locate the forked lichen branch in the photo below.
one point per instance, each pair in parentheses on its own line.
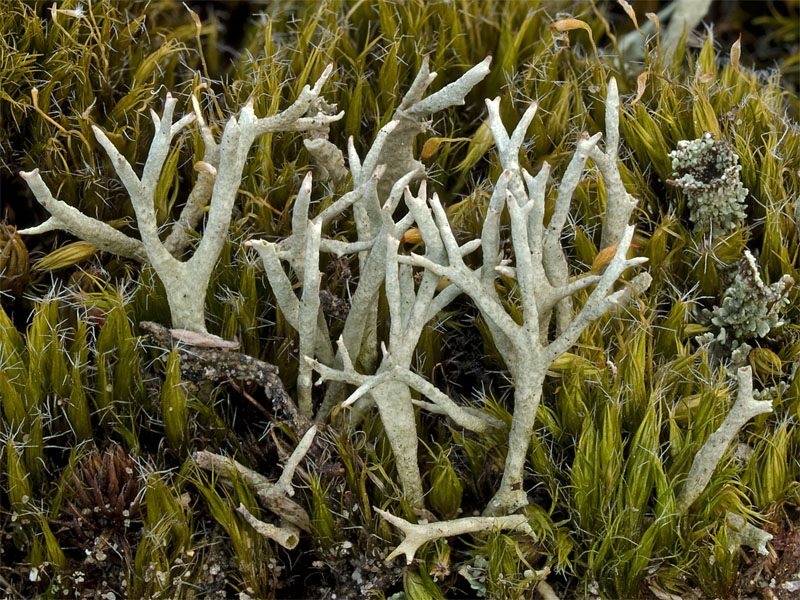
(219,176)
(274,496)
(706,460)
(541,271)
(417,535)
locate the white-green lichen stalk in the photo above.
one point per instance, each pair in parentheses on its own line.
(412,114)
(220,174)
(274,496)
(742,533)
(394,149)
(418,534)
(410,311)
(620,204)
(542,275)
(705,461)
(379,183)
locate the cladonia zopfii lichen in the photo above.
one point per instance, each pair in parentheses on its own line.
(540,269)
(218,180)
(609,452)
(708,171)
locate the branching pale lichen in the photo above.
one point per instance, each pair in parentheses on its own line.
(380,181)
(220,174)
(416,535)
(541,271)
(705,461)
(275,496)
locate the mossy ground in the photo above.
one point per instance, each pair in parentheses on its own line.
(98,492)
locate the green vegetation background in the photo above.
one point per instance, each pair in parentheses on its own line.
(98,492)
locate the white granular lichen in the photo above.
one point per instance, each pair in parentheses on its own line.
(708,171)
(750,308)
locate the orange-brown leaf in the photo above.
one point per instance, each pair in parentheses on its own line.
(412,236)
(570,24)
(736,53)
(603,257)
(641,83)
(431,146)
